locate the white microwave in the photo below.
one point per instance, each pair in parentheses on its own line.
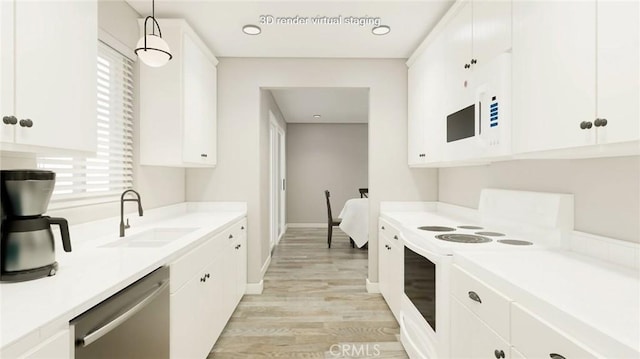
(482,129)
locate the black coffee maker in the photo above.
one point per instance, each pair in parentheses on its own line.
(27,250)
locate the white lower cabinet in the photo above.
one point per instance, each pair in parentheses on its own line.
(485,323)
(57,346)
(535,338)
(472,338)
(206,286)
(391,267)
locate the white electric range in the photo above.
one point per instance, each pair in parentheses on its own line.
(505,221)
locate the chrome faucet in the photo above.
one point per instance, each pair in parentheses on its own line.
(122,200)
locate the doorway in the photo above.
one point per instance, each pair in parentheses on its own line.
(277,170)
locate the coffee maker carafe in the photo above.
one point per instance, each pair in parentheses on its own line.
(27,248)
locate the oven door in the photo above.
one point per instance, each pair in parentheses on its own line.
(425,303)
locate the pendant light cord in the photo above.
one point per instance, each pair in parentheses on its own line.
(153,15)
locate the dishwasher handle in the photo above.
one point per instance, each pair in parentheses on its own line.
(111,325)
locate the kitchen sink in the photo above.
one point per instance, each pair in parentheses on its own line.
(156,237)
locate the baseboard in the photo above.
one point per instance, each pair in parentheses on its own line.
(254,288)
(373,287)
(265,266)
(306,225)
(286,226)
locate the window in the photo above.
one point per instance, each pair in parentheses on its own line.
(104,177)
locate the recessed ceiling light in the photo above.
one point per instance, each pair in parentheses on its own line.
(381,30)
(251,29)
(316,116)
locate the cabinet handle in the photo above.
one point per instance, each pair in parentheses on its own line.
(600,122)
(203,279)
(585,125)
(498,353)
(474,61)
(556,356)
(466,66)
(207,275)
(395,237)
(29,123)
(203,155)
(242,228)
(230,236)
(9,120)
(474,296)
(382,228)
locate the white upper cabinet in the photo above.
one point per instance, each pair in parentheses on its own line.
(576,77)
(48,72)
(618,79)
(554,66)
(178,118)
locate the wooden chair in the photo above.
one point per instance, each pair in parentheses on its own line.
(331,222)
(364,192)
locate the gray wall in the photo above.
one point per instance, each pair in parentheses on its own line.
(239,176)
(606,190)
(320,157)
(158,186)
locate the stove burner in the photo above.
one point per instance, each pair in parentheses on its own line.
(437,228)
(515,242)
(490,234)
(463,238)
(470,227)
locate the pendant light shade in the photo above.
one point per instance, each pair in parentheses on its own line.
(151,48)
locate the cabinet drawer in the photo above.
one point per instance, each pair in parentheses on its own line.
(388,230)
(472,338)
(535,338)
(488,304)
(188,265)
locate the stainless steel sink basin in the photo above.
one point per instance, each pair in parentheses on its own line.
(156,237)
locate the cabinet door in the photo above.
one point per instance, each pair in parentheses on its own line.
(458,52)
(58,346)
(618,70)
(472,338)
(435,101)
(491,30)
(218,295)
(199,105)
(417,103)
(6,69)
(55,73)
(553,74)
(395,277)
(190,319)
(241,266)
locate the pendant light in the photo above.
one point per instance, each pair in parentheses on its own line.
(151,48)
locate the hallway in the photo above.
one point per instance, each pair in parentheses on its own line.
(314,305)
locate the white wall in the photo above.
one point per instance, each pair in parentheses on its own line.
(606,190)
(157,186)
(322,157)
(239,175)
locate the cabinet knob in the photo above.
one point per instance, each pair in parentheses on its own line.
(466,66)
(474,296)
(498,353)
(474,61)
(230,236)
(382,228)
(203,155)
(207,275)
(600,122)
(203,279)
(585,125)
(242,228)
(395,237)
(556,356)
(9,120)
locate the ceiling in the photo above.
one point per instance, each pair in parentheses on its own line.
(335,105)
(219,24)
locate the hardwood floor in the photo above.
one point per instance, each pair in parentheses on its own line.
(314,305)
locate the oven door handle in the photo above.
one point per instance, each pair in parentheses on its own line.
(114,323)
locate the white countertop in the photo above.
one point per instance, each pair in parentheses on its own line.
(599,301)
(89,274)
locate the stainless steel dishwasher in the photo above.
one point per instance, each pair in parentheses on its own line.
(133,323)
